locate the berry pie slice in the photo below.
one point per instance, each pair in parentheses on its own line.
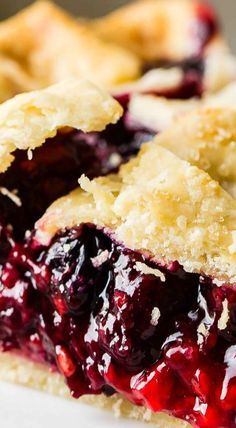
(184,34)
(173,81)
(126,286)
(42,45)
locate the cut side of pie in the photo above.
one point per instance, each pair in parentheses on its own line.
(59,144)
(127,284)
(118,258)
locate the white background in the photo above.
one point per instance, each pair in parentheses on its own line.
(24,408)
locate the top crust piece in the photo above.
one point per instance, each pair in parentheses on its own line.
(172,31)
(160,204)
(199,135)
(154,29)
(42,45)
(207,139)
(27,120)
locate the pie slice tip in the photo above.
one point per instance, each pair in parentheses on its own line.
(27,120)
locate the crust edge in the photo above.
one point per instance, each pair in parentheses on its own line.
(17,370)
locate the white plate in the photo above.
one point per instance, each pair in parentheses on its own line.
(25,408)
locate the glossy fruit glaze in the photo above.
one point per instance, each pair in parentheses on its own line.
(165,339)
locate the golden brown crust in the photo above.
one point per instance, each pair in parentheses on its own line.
(15,369)
(150,28)
(46,45)
(43,45)
(27,120)
(207,139)
(160,204)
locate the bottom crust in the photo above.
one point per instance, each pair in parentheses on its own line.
(18,370)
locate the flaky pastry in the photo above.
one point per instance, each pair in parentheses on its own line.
(15,369)
(143,206)
(206,138)
(151,28)
(44,45)
(27,120)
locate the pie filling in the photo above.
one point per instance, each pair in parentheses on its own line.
(31,185)
(202,30)
(112,320)
(192,83)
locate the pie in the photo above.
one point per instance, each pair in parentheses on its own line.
(43,45)
(125,285)
(118,258)
(151,28)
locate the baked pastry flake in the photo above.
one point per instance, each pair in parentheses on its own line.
(29,119)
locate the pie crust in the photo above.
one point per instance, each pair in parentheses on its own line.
(149,28)
(191,219)
(206,138)
(159,113)
(17,370)
(27,120)
(124,204)
(42,45)
(58,43)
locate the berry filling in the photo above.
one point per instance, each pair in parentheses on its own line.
(192,83)
(30,186)
(202,30)
(113,320)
